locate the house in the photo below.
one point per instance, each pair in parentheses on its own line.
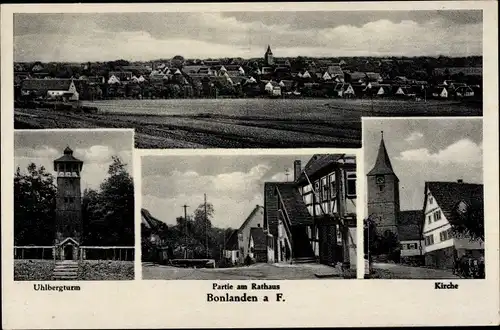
(154,235)
(344,90)
(466,71)
(374,77)
(335,71)
(380,90)
(306,75)
(313,217)
(231,250)
(356,77)
(260,245)
(60,89)
(440,92)
(405,91)
(410,225)
(243,235)
(443,202)
(121,75)
(113,80)
(282,62)
(272,88)
(464,91)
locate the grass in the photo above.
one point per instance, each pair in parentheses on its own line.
(89,270)
(104,270)
(33,270)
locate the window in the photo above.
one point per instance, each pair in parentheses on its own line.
(431,200)
(381,188)
(403,246)
(429,240)
(324,189)
(237,254)
(351,184)
(438,215)
(429,220)
(333,187)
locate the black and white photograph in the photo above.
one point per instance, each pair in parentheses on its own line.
(424,198)
(243,79)
(73,205)
(249,217)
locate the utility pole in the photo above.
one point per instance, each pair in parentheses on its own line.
(206,225)
(186,229)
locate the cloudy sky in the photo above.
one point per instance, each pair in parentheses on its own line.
(147,36)
(426,150)
(94,148)
(233,184)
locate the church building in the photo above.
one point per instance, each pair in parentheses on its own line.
(384,207)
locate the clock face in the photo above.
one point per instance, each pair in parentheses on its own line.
(380,179)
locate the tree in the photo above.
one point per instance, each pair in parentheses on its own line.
(110,211)
(468,220)
(34,206)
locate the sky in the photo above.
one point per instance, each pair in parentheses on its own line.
(233,184)
(95,148)
(146,36)
(439,149)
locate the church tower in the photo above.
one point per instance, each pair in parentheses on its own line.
(268,57)
(69,220)
(383,192)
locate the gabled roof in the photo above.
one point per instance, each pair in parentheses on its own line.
(232,240)
(151,222)
(294,205)
(410,225)
(317,163)
(259,238)
(382,163)
(448,194)
(257,211)
(67,240)
(46,84)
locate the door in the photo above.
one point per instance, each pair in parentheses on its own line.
(68,252)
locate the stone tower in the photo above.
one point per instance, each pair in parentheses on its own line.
(383,192)
(269,56)
(69,222)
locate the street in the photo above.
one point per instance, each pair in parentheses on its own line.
(395,271)
(261,271)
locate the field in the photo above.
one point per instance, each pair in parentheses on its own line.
(240,123)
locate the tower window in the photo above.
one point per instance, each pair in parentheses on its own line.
(381,188)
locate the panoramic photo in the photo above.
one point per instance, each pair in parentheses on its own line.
(424,214)
(249,217)
(244,79)
(73,205)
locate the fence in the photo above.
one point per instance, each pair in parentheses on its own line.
(34,252)
(121,253)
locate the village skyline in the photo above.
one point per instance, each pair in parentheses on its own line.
(109,36)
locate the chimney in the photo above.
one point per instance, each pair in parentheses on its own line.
(297,169)
(460,181)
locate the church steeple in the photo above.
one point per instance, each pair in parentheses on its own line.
(269,51)
(383,163)
(268,56)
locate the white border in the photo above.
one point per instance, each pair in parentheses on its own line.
(144,304)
